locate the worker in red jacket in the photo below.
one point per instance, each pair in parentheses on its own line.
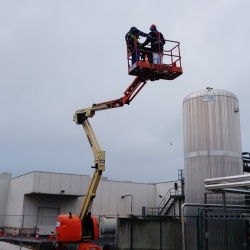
(157,42)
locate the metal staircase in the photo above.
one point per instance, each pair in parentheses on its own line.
(165,205)
(168,201)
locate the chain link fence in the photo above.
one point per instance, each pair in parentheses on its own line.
(212,229)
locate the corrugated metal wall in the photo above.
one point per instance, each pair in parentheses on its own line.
(4,190)
(43,187)
(39,196)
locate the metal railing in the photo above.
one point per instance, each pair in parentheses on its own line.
(171,53)
(166,203)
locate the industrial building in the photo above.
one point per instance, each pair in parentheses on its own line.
(41,196)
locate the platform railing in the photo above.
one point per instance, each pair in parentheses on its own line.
(171,54)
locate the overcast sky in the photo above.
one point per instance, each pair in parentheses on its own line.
(60,56)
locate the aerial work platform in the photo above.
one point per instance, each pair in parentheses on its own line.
(145,70)
(170,66)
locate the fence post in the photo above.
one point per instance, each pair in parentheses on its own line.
(131,231)
(160,233)
(22,232)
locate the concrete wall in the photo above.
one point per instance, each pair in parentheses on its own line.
(146,234)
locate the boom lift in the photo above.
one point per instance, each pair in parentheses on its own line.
(71,229)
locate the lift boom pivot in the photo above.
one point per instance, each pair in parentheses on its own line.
(129,94)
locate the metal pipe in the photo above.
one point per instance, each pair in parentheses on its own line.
(235,191)
(227,179)
(201,205)
(227,185)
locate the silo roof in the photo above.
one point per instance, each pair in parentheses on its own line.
(215,92)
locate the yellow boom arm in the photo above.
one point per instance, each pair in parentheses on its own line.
(81,117)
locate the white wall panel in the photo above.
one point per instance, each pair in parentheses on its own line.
(75,186)
(18,187)
(65,183)
(151,195)
(36,182)
(44,183)
(121,209)
(129,188)
(105,196)
(4,190)
(109,201)
(78,204)
(67,204)
(137,198)
(31,203)
(97,204)
(84,184)
(27,182)
(144,198)
(55,186)
(52,201)
(114,198)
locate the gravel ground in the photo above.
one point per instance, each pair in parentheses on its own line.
(9,246)
(14,243)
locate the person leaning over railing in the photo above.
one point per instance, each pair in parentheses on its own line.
(132,42)
(157,42)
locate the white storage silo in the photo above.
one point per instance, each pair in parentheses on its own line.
(212,146)
(212,139)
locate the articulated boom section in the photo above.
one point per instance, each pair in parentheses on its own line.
(99,161)
(81,117)
(129,94)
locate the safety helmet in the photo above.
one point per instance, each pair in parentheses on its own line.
(153,26)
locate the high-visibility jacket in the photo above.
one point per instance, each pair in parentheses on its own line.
(133,34)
